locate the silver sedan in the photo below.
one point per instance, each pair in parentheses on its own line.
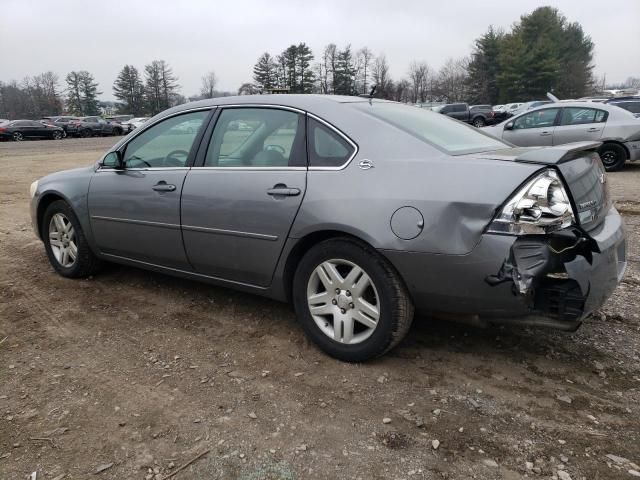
(565,122)
(358,211)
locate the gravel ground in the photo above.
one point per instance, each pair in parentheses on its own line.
(133,374)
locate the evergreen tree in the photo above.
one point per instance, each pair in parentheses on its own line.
(161,87)
(264,71)
(484,67)
(74,98)
(345,72)
(545,53)
(128,88)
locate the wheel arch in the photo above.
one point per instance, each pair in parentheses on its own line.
(45,200)
(616,142)
(304,244)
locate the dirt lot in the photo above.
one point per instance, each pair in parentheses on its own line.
(133,374)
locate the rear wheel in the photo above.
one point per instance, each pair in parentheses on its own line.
(350,301)
(478,122)
(66,246)
(613,156)
(86,133)
(57,135)
(18,137)
(117,131)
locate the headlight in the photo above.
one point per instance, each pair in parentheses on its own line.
(540,207)
(33,188)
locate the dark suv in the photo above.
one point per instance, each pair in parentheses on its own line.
(476,115)
(96,126)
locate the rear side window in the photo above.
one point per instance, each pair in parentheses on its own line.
(579,116)
(326,147)
(453,137)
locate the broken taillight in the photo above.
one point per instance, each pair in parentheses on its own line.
(541,206)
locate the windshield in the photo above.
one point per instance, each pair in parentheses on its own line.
(440,131)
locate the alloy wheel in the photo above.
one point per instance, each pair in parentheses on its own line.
(18,137)
(62,238)
(57,135)
(343,301)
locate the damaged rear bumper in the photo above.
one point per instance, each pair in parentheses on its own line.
(548,280)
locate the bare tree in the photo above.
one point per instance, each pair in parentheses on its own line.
(248,89)
(209,82)
(365,57)
(451,82)
(381,77)
(419,79)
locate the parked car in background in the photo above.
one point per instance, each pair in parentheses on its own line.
(96,126)
(359,211)
(632,104)
(560,123)
(65,122)
(528,106)
(476,115)
(19,130)
(119,118)
(133,123)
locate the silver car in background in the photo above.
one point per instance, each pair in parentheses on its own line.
(357,211)
(566,122)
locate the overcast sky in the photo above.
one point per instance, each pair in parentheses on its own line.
(195,36)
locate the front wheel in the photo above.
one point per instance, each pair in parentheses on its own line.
(350,300)
(57,135)
(18,137)
(613,156)
(66,246)
(86,133)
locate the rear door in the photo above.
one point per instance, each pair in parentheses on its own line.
(579,124)
(135,211)
(239,204)
(533,129)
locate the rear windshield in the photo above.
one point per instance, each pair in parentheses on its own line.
(440,131)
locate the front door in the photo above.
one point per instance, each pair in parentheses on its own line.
(135,211)
(239,204)
(533,129)
(578,124)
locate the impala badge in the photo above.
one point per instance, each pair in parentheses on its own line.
(365,164)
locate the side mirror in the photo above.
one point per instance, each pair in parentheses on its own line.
(509,126)
(113,160)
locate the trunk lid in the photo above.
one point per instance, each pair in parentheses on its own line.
(582,170)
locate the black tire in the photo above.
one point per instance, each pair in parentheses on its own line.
(613,156)
(86,263)
(57,135)
(18,137)
(117,131)
(478,122)
(395,305)
(86,133)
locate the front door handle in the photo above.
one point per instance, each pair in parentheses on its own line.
(282,190)
(164,187)
(593,129)
(545,134)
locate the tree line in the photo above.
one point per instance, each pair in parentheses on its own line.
(543,52)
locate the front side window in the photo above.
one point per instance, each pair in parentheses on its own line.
(326,148)
(257,138)
(537,119)
(579,116)
(166,144)
(453,137)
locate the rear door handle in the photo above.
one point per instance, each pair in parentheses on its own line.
(545,134)
(283,190)
(164,187)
